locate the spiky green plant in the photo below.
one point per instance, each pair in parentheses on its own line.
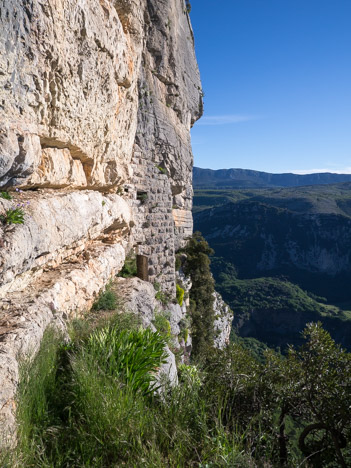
(132,356)
(13,216)
(5,195)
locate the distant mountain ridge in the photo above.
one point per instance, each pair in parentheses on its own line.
(247,178)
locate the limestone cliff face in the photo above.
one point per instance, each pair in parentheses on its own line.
(96,102)
(170,101)
(69,94)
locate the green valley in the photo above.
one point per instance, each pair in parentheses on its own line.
(282,258)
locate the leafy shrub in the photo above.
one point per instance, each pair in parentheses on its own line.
(13,216)
(180,294)
(107,300)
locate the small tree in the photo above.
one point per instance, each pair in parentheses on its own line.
(197,266)
(323,378)
(313,386)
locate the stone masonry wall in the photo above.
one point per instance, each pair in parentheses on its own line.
(154,231)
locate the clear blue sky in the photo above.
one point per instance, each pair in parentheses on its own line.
(277,81)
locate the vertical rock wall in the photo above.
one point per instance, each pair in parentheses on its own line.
(97,98)
(170,101)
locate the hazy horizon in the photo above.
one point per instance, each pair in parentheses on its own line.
(315,171)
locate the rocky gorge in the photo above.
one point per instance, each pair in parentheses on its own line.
(97,99)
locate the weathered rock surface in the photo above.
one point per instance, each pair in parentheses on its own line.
(138,297)
(49,235)
(223,321)
(96,98)
(68,80)
(54,297)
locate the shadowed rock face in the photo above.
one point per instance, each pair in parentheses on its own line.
(96,103)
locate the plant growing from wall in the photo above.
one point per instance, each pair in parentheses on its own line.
(160,295)
(107,300)
(6,195)
(142,197)
(13,216)
(180,294)
(162,170)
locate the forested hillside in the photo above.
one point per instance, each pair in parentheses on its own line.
(282,258)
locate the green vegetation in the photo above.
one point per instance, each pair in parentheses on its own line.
(178,262)
(267,293)
(92,402)
(13,216)
(130,266)
(332,199)
(80,404)
(107,300)
(160,295)
(180,294)
(6,195)
(162,170)
(255,347)
(197,266)
(131,356)
(142,197)
(162,324)
(267,246)
(264,305)
(289,409)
